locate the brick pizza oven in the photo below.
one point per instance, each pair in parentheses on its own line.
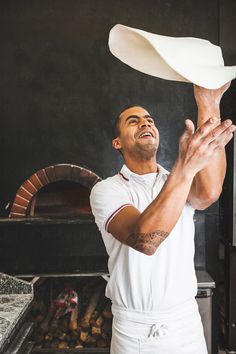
(56,191)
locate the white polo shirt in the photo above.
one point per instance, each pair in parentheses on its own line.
(137,281)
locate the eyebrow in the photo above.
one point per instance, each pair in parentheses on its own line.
(134,116)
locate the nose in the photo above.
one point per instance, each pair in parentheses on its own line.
(144,123)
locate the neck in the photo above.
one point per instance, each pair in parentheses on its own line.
(141,167)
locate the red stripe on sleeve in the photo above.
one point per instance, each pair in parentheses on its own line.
(113,214)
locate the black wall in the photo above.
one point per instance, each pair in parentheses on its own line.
(60,88)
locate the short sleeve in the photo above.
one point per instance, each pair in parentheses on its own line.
(107,198)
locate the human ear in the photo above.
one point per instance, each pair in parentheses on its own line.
(116,143)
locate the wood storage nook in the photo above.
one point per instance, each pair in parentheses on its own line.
(71,314)
(50,235)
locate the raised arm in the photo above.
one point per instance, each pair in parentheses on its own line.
(145,231)
(207,184)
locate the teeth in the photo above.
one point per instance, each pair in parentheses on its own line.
(145,134)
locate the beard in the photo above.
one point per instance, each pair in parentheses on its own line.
(143,152)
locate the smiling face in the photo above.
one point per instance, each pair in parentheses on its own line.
(138,136)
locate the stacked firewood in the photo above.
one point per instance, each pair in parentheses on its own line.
(86,322)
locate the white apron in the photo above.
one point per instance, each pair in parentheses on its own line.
(174,332)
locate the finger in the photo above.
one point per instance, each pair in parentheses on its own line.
(189,127)
(188,131)
(220,132)
(205,128)
(219,146)
(223,138)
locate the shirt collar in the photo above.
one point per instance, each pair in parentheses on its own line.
(126,174)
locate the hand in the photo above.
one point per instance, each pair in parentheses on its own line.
(196,148)
(206,98)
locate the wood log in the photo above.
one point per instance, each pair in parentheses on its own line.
(62,337)
(107,311)
(85,322)
(44,325)
(100,307)
(38,309)
(63,323)
(101,343)
(54,325)
(38,319)
(107,326)
(63,345)
(79,345)
(75,335)
(83,335)
(38,336)
(79,328)
(90,341)
(105,336)
(55,342)
(47,344)
(99,322)
(88,287)
(38,346)
(49,337)
(96,331)
(72,343)
(107,331)
(71,336)
(73,324)
(97,327)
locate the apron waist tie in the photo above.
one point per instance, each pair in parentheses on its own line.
(158,330)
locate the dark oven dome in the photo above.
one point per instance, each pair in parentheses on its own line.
(59,191)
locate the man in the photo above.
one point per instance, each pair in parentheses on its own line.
(145,215)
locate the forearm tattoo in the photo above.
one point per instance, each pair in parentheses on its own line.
(147,242)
